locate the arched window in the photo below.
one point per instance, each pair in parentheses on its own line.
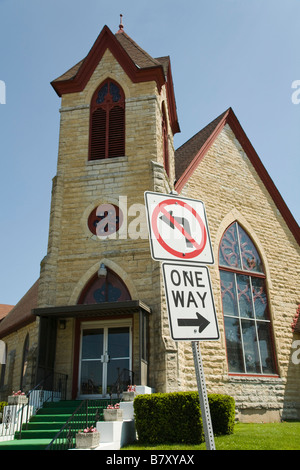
(165,141)
(107,122)
(24,361)
(3,354)
(104,288)
(248,329)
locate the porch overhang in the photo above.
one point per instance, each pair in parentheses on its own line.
(103,309)
(109,312)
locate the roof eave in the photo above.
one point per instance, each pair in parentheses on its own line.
(16,326)
(103,308)
(107,40)
(171,101)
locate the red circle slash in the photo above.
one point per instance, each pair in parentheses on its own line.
(161,208)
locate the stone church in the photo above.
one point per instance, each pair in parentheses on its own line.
(98,309)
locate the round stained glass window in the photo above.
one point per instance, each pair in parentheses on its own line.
(105,220)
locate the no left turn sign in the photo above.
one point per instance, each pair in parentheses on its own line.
(178,229)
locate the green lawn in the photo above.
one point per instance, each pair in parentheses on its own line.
(274,436)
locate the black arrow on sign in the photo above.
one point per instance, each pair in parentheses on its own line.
(200,322)
(182,221)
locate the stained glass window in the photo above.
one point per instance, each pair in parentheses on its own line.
(104,289)
(105,220)
(248,329)
(238,251)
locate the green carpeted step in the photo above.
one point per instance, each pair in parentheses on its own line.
(34,425)
(53,411)
(58,408)
(62,404)
(24,444)
(38,434)
(62,418)
(70,404)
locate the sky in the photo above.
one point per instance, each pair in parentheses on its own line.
(242,54)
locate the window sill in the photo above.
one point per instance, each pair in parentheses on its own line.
(254,378)
(103,161)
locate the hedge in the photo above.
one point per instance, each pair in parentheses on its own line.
(176,417)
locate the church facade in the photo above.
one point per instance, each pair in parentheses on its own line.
(98,308)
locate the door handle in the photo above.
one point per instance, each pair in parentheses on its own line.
(105,358)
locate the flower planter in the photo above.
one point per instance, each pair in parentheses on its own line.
(17,400)
(115,414)
(87,440)
(128,396)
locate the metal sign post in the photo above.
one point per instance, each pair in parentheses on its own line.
(178,231)
(205,411)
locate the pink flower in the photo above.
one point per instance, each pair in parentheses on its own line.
(113,407)
(90,429)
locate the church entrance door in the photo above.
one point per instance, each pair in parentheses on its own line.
(105,352)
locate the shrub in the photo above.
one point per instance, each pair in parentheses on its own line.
(222,411)
(176,417)
(2,405)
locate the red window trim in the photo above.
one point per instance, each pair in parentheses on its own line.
(244,273)
(270,376)
(165,141)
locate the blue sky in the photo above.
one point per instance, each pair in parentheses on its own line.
(238,53)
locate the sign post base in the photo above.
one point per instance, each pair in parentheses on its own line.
(205,411)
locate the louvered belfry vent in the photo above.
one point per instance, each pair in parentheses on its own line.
(107,122)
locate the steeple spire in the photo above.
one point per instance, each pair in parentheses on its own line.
(121,27)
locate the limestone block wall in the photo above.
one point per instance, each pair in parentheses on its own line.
(13,371)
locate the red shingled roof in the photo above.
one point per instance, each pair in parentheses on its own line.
(20,315)
(185,155)
(138,56)
(4,309)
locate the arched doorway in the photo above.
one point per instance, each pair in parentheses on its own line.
(105,352)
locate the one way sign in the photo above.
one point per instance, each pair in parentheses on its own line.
(191,309)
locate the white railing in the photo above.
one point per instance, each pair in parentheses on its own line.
(16,415)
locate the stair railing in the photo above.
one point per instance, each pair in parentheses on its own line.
(86,415)
(36,400)
(125,378)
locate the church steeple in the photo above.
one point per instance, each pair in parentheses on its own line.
(136,62)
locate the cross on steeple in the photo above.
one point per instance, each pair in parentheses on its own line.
(121,27)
